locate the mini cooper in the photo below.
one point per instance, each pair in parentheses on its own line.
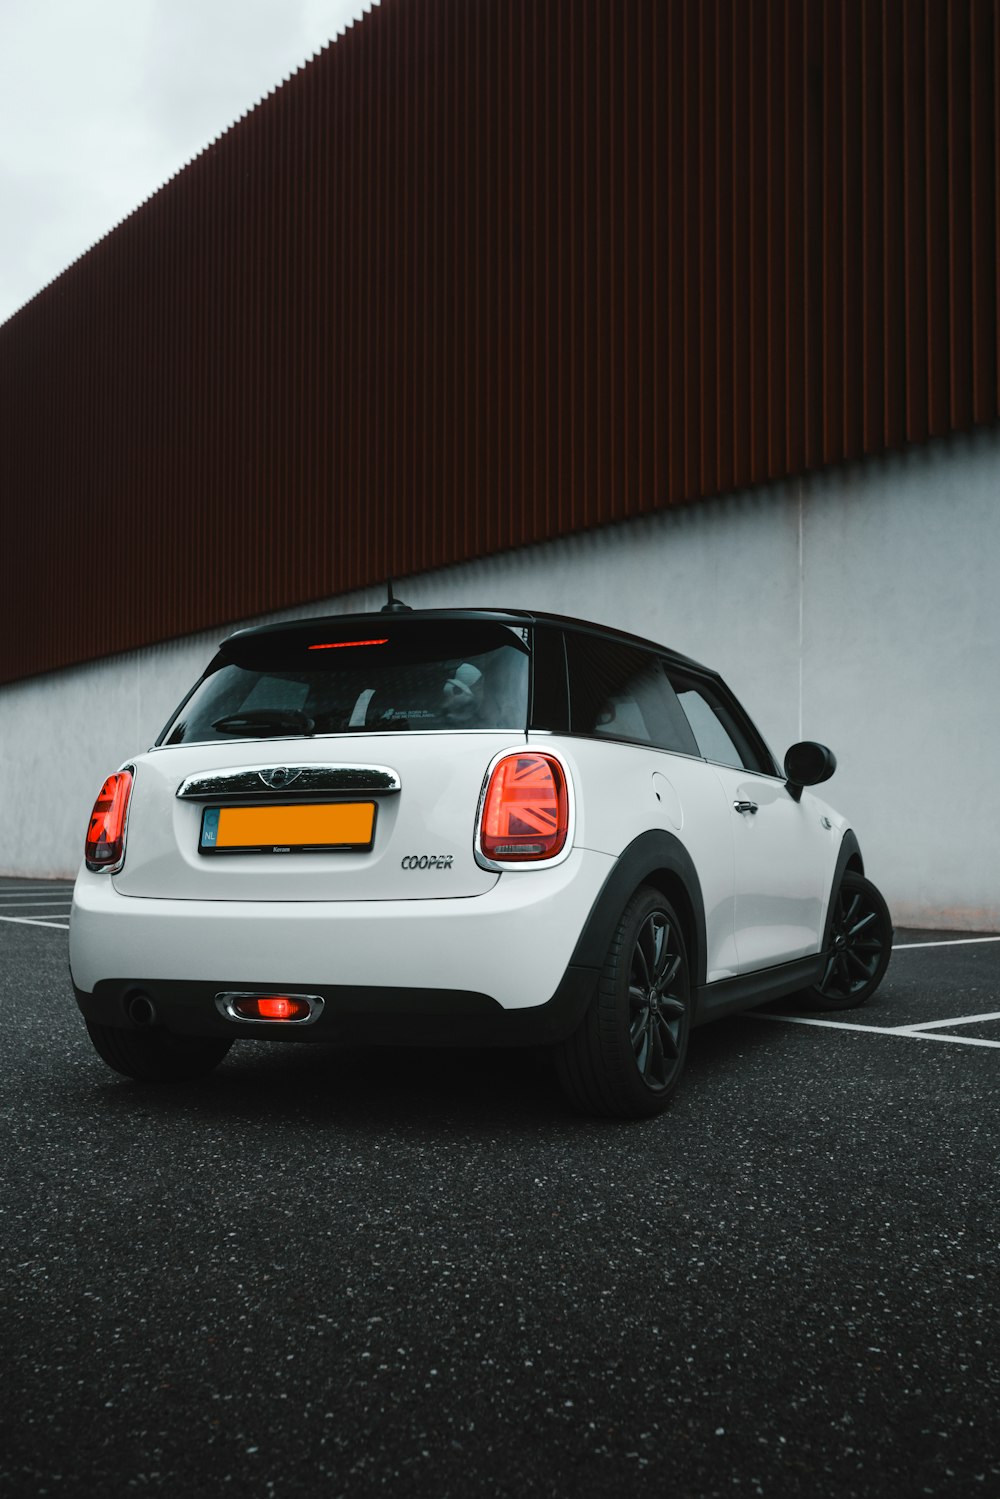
(463,827)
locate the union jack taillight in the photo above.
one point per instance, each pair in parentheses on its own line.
(105,846)
(525,814)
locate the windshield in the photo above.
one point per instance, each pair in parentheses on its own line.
(336,680)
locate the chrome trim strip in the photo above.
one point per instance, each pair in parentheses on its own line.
(224,1004)
(291,780)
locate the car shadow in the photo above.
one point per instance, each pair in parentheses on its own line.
(481,1090)
(324,1084)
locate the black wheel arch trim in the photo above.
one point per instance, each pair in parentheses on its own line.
(849,857)
(645,861)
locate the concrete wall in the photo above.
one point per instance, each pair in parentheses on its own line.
(857,607)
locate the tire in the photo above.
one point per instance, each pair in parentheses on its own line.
(625,1059)
(858,950)
(157,1056)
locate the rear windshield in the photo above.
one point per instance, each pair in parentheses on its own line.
(385,677)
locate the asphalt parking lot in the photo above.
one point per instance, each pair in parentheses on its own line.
(348,1273)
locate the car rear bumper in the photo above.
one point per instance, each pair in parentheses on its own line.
(368,1015)
(495,967)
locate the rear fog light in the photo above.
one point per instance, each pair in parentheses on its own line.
(298,1009)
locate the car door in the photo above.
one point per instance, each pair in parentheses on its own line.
(781,844)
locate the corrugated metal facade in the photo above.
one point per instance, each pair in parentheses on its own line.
(488,271)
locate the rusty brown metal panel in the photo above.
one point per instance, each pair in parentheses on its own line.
(721,421)
(871,235)
(916,250)
(852,95)
(833,233)
(959,160)
(776,190)
(986,207)
(810,248)
(703,466)
(673,261)
(689,233)
(794,231)
(485,274)
(755,124)
(936,199)
(891,276)
(643,478)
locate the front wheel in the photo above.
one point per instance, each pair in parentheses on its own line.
(858,949)
(157,1056)
(625,1059)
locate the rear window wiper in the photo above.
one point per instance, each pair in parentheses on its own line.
(266,721)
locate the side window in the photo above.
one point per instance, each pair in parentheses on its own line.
(618,691)
(720,735)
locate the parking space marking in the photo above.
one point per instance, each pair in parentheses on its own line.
(46,909)
(907,1032)
(950,942)
(927,1025)
(39,885)
(43,903)
(22,905)
(60,926)
(16,897)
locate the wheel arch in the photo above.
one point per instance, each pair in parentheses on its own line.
(848,859)
(654,858)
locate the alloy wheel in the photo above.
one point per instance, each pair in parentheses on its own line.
(657,1002)
(858,941)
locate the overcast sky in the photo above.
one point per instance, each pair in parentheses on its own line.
(102,101)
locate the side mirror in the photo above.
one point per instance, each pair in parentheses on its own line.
(807,764)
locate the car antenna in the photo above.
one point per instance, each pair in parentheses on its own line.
(394,605)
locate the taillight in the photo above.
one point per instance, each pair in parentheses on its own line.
(525,812)
(105,847)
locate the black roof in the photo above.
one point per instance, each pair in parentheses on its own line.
(402,616)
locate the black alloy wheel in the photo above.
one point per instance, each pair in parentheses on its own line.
(626,1058)
(656,1013)
(858,948)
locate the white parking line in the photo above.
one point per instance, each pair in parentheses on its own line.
(908,1032)
(59,926)
(927,1025)
(21,905)
(950,942)
(33,889)
(15,897)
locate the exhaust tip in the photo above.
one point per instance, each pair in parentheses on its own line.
(141,1010)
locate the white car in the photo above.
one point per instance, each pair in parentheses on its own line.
(463,827)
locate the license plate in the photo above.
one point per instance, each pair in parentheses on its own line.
(287,830)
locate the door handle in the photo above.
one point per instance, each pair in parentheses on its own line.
(744,806)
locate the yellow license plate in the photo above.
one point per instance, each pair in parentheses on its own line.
(287,830)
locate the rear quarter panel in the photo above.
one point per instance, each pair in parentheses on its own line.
(624,790)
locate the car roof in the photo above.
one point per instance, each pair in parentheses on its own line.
(402,615)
